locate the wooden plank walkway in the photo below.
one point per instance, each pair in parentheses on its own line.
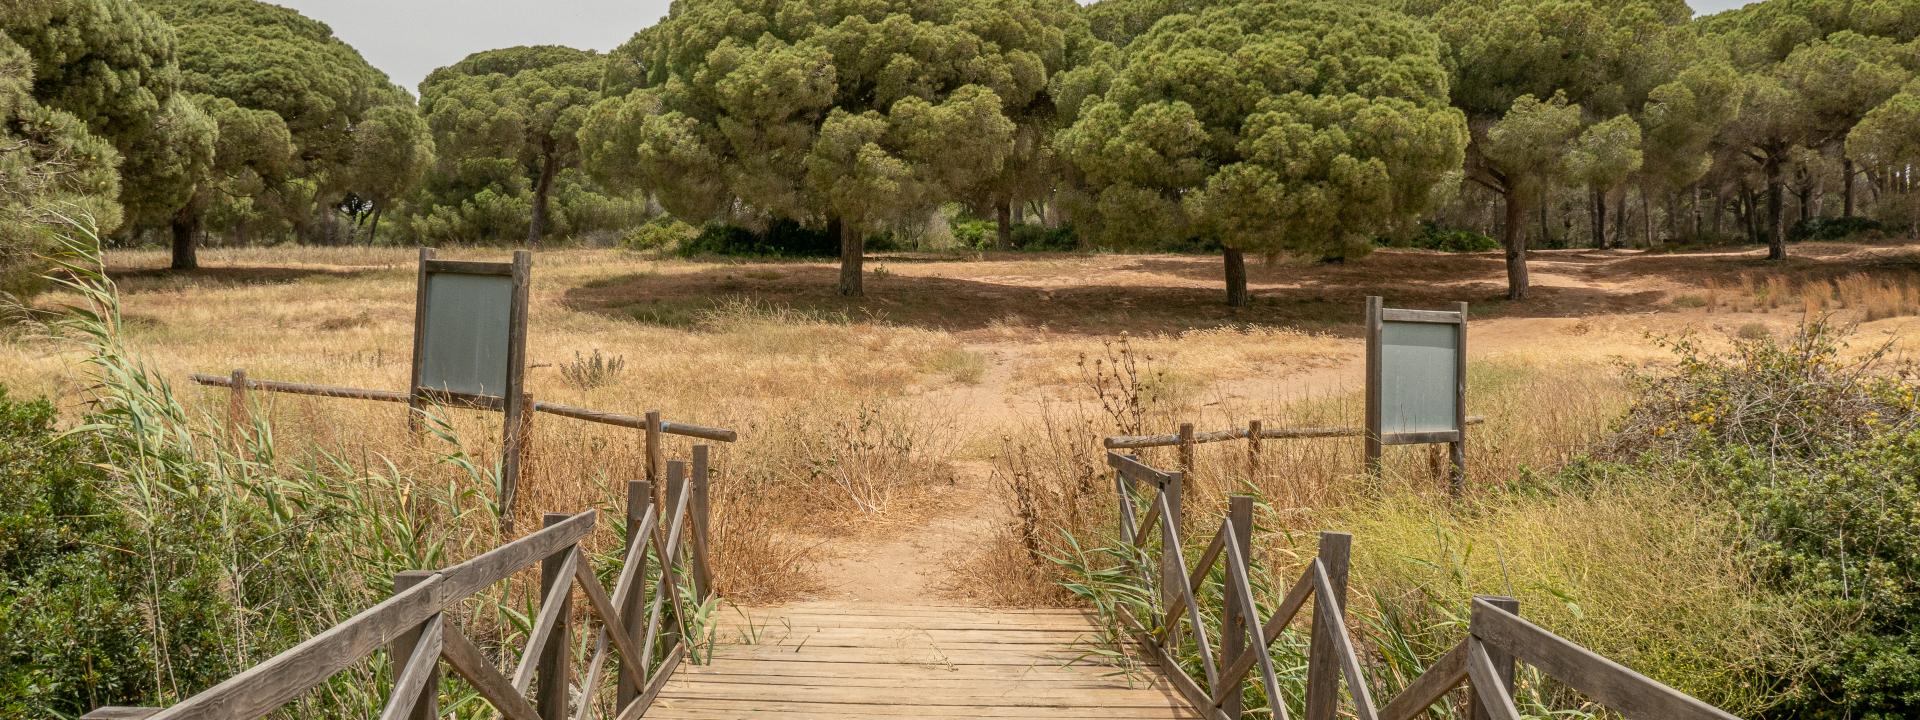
(837,660)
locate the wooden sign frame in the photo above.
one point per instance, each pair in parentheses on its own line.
(513,401)
(1378,315)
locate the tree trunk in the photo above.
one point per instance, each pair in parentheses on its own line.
(1599,217)
(1620,225)
(1805,196)
(373,230)
(1003,216)
(1646,218)
(1513,236)
(1776,210)
(1719,211)
(1546,231)
(1846,186)
(538,228)
(186,224)
(1236,278)
(853,255)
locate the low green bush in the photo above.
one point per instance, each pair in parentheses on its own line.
(662,233)
(1814,452)
(1434,237)
(978,234)
(1833,228)
(781,238)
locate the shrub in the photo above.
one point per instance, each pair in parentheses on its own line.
(782,238)
(70,635)
(1433,237)
(1814,454)
(1795,399)
(981,234)
(661,233)
(589,372)
(972,232)
(1833,228)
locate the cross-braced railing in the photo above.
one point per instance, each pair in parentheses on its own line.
(1483,661)
(649,632)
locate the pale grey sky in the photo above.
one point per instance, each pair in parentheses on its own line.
(409,38)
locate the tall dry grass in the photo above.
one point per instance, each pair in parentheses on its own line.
(1863,296)
(1643,572)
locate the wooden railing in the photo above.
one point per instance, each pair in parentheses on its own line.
(1484,661)
(417,625)
(1187,438)
(653,428)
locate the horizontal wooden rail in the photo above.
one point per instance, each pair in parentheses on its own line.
(1129,442)
(1483,661)
(577,413)
(416,624)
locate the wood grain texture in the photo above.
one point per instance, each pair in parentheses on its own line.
(1607,682)
(854,660)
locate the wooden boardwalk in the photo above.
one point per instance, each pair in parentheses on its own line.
(840,660)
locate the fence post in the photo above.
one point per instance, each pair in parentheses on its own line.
(1234,626)
(237,416)
(522,450)
(697,511)
(428,706)
(1173,568)
(1502,662)
(1374,410)
(551,695)
(653,462)
(634,614)
(1457,450)
(1186,448)
(1254,428)
(1323,661)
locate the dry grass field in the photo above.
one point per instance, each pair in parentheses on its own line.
(922,442)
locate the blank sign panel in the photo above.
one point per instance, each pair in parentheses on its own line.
(468,326)
(1418,375)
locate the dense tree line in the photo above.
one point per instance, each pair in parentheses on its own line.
(1313,128)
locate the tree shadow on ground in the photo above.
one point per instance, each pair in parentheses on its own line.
(1135,294)
(223,276)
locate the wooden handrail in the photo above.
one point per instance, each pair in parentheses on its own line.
(1135,442)
(415,620)
(577,413)
(1497,635)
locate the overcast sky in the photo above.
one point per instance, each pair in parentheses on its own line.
(409,38)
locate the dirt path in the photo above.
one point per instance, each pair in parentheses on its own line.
(914,562)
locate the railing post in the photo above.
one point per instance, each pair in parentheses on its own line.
(1254,428)
(428,706)
(1233,625)
(1173,568)
(1186,448)
(697,518)
(521,449)
(1323,661)
(1374,408)
(634,612)
(1502,661)
(551,693)
(652,460)
(1457,450)
(237,415)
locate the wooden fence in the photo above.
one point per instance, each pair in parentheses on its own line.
(239,416)
(1497,636)
(1254,433)
(417,624)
